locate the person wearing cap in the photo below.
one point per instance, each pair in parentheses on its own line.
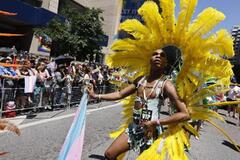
(7,72)
(151,91)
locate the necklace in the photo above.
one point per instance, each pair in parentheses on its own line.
(145,96)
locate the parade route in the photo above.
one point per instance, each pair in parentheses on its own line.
(43,136)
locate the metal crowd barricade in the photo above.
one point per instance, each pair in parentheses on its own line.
(14,101)
(76,95)
(7,96)
(43,98)
(60,97)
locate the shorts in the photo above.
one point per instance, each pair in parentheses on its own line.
(136,137)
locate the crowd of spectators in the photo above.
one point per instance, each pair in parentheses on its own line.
(53,84)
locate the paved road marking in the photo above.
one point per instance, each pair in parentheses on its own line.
(63,117)
(18,120)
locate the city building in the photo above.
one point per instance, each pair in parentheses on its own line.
(111,14)
(33,13)
(236,46)
(30,14)
(236,36)
(114,12)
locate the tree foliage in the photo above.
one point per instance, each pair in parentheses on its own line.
(78,36)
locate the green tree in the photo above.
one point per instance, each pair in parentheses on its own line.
(79,35)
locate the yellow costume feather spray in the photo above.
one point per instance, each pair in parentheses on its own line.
(201,56)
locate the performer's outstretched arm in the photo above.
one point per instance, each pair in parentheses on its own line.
(113,96)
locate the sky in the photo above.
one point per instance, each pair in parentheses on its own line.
(231,9)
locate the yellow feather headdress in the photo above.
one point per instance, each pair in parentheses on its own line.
(202,58)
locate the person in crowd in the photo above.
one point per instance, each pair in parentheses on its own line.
(106,78)
(51,67)
(45,82)
(72,70)
(111,87)
(151,91)
(60,80)
(30,64)
(87,78)
(233,95)
(22,98)
(68,86)
(8,79)
(100,80)
(7,73)
(78,76)
(219,98)
(94,72)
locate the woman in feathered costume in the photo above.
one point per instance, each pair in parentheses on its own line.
(153,48)
(151,90)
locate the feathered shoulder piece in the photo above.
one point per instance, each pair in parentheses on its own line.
(202,57)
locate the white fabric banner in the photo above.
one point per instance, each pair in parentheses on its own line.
(30,82)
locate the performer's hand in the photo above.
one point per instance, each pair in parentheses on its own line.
(150,128)
(5,125)
(90,91)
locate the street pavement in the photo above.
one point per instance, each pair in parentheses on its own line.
(43,135)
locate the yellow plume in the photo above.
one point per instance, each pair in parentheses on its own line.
(205,22)
(168,15)
(221,43)
(202,59)
(187,8)
(149,12)
(135,28)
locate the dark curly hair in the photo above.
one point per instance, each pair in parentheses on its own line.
(173,55)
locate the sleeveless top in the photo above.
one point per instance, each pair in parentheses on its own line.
(152,104)
(136,133)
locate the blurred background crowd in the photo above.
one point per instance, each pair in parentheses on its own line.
(30,83)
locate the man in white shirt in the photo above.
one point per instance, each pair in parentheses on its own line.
(233,95)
